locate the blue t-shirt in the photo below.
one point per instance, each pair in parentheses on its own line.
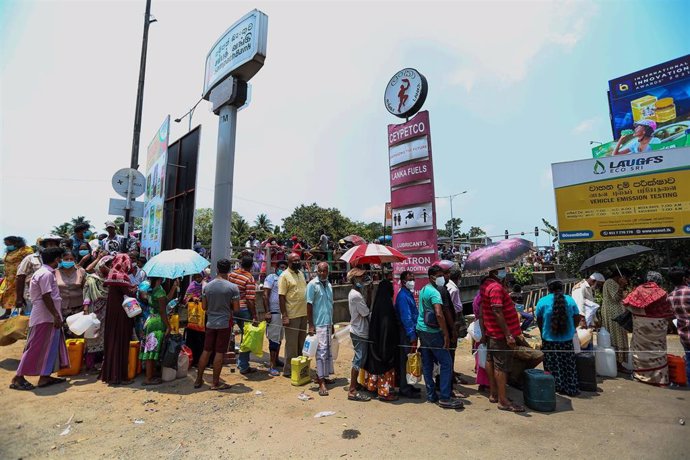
(544,312)
(428,297)
(320,296)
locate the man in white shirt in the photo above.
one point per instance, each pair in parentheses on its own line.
(583,294)
(113,242)
(359,327)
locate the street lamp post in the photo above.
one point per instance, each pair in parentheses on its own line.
(190,114)
(452,223)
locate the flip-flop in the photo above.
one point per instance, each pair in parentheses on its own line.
(222,387)
(198,385)
(494,401)
(512,408)
(358,397)
(23,386)
(458,394)
(323,392)
(52,381)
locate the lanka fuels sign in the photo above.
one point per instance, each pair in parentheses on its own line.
(643,196)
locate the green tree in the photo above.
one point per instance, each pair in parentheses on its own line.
(453,227)
(262,222)
(476,232)
(203,226)
(239,230)
(136,223)
(307,220)
(64,230)
(80,220)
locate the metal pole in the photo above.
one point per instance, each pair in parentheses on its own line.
(134,164)
(452,225)
(222,201)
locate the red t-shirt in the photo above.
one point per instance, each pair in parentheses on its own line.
(493,293)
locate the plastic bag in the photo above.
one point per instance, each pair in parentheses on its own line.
(475,331)
(253,339)
(309,348)
(414,368)
(335,348)
(182,365)
(13,329)
(196,316)
(481,353)
(171,350)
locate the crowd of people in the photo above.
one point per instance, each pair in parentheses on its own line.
(95,275)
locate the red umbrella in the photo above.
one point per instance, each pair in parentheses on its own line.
(355,239)
(372,254)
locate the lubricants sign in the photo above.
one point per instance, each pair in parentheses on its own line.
(633,197)
(412,196)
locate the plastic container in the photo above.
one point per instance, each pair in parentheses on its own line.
(131,306)
(644,108)
(93,330)
(309,348)
(605,359)
(133,360)
(335,348)
(586,371)
(75,350)
(676,370)
(539,390)
(603,338)
(300,371)
(342,334)
(665,110)
(80,323)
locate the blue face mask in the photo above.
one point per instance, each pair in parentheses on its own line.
(501,274)
(279,272)
(87,234)
(67,264)
(83,252)
(10,248)
(359,285)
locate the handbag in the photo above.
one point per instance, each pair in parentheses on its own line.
(625,320)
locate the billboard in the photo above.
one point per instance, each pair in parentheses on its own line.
(645,196)
(412,196)
(658,97)
(156,166)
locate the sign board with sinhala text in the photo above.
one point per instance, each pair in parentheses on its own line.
(632,197)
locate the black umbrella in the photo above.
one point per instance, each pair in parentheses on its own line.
(615,255)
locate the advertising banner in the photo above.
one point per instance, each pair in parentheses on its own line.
(388,220)
(156,164)
(645,196)
(655,100)
(412,195)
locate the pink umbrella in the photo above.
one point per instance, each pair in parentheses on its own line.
(372,254)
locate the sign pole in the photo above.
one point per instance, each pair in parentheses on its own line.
(222,200)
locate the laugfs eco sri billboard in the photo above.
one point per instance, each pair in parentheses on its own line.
(412,196)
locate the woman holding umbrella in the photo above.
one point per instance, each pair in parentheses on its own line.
(611,307)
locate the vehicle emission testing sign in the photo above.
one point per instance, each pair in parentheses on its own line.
(628,197)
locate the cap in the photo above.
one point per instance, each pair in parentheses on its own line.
(648,123)
(596,276)
(110,224)
(355,272)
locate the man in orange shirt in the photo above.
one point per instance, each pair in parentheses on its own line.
(244,280)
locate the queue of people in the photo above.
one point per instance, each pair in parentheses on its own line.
(384,328)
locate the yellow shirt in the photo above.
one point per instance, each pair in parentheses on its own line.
(294,287)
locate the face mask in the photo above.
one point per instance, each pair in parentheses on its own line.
(279,272)
(440,281)
(410,285)
(10,248)
(296,266)
(67,264)
(501,274)
(87,234)
(359,285)
(83,252)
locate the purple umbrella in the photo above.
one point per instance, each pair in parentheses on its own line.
(497,255)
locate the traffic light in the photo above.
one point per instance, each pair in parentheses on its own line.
(506,234)
(536,231)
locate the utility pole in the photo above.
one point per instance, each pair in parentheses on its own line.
(134,164)
(452,222)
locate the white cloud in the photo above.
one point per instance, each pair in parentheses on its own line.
(463,77)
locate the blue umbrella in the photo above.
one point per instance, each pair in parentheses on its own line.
(175,263)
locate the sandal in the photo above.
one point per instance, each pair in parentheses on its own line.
(22,386)
(329,381)
(152,382)
(221,387)
(358,397)
(52,381)
(458,394)
(323,392)
(198,385)
(274,372)
(388,398)
(512,408)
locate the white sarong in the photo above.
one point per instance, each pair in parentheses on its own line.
(324,357)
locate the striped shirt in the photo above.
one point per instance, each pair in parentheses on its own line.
(246,284)
(493,293)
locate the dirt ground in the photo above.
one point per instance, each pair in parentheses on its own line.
(262,417)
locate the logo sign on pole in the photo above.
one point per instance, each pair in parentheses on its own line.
(388,221)
(405,93)
(240,52)
(121,179)
(644,196)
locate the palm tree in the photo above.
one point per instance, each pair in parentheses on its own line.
(262,222)
(80,220)
(239,227)
(64,230)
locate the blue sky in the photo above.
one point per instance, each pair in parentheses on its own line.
(513,87)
